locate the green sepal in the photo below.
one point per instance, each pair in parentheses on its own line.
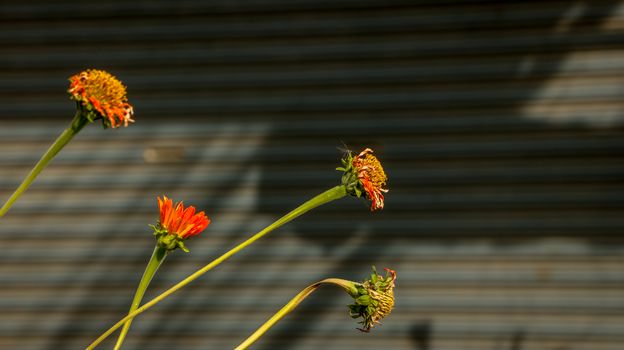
(374,276)
(170,242)
(88,112)
(363,300)
(182,246)
(358,192)
(361,289)
(350,178)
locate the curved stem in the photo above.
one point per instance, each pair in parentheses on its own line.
(325,197)
(292,304)
(76,125)
(158,256)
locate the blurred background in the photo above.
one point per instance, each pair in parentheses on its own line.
(500,125)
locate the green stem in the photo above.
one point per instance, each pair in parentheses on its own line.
(292,304)
(325,197)
(76,125)
(156,260)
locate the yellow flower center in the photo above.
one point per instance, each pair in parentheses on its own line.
(104,87)
(373,169)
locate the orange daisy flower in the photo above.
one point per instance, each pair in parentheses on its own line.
(181,222)
(372,177)
(101,95)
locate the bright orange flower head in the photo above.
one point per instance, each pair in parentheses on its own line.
(101,95)
(181,222)
(364,174)
(372,176)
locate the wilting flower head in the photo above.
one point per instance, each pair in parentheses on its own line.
(364,174)
(178,224)
(101,95)
(374,299)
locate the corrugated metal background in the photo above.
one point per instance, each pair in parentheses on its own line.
(500,125)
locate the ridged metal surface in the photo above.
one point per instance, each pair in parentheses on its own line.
(500,126)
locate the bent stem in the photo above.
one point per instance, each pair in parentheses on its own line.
(76,125)
(158,256)
(325,197)
(348,286)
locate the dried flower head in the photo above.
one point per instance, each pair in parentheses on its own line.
(178,224)
(374,299)
(364,174)
(101,95)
